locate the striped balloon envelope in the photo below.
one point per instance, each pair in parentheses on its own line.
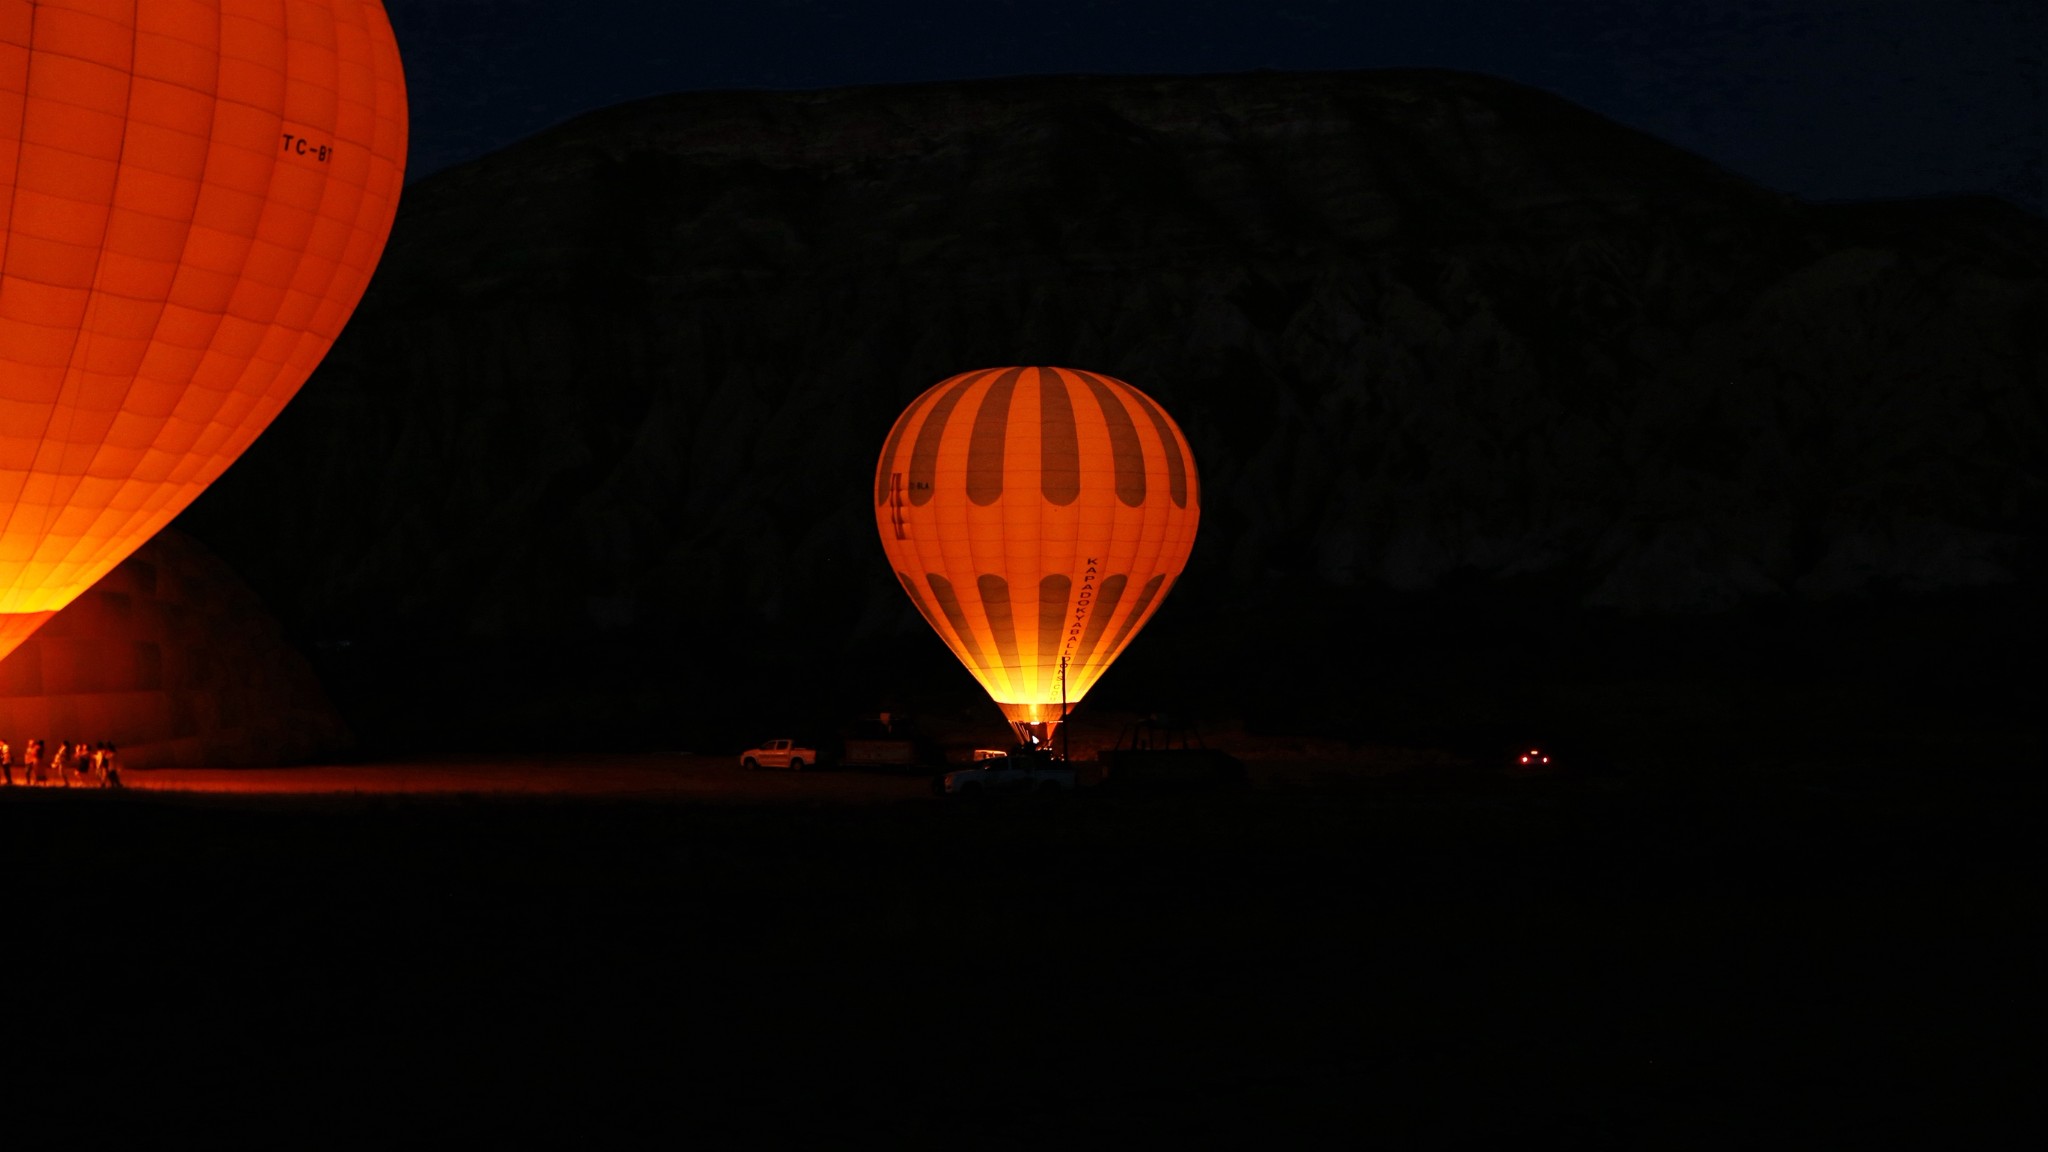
(1037,517)
(193,194)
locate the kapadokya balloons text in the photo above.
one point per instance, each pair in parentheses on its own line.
(193,195)
(1037,517)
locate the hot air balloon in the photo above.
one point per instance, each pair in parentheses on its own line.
(1036,517)
(193,194)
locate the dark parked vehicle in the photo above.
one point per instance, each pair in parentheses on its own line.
(1020,772)
(1159,755)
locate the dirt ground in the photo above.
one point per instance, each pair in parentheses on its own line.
(1396,945)
(685,777)
(647,777)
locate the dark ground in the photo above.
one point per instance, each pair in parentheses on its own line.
(1671,950)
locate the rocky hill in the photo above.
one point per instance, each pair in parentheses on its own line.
(613,400)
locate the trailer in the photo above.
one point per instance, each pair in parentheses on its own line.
(883,752)
(883,740)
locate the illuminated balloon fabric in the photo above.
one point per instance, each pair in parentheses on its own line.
(1034,514)
(193,195)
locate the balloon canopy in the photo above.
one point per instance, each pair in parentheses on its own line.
(1036,517)
(193,194)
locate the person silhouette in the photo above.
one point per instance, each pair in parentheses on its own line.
(110,772)
(6,764)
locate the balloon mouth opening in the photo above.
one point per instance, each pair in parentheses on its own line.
(1034,724)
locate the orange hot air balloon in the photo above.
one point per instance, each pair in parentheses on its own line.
(193,194)
(1037,517)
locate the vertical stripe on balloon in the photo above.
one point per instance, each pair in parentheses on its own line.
(1125,450)
(924,456)
(1176,465)
(896,431)
(991,432)
(949,603)
(1059,446)
(995,606)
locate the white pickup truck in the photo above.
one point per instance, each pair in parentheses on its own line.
(779,754)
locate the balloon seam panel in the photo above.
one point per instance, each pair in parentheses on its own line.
(79,335)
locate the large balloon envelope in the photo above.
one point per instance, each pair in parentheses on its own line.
(1037,517)
(193,194)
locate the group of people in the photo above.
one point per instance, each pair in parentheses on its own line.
(88,764)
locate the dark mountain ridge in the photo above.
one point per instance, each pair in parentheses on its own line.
(1447,349)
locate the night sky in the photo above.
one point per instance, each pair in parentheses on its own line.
(1823,99)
